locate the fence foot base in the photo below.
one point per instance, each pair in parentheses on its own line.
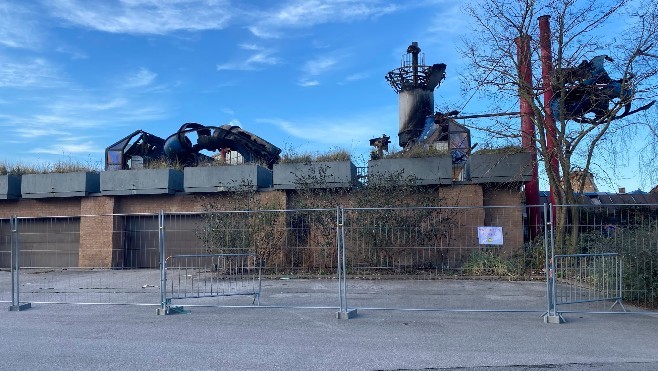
(618,301)
(349,314)
(557,319)
(20,307)
(171,310)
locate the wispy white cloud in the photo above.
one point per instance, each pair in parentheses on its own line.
(255,47)
(357,76)
(306,83)
(307,13)
(96,105)
(450,21)
(264,33)
(320,65)
(336,131)
(262,58)
(259,58)
(29,73)
(68,148)
(73,123)
(139,79)
(66,115)
(18,26)
(317,67)
(43,131)
(144,16)
(73,52)
(443,35)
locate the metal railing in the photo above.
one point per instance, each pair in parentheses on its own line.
(128,257)
(54,264)
(293,245)
(424,244)
(16,304)
(587,278)
(623,236)
(201,276)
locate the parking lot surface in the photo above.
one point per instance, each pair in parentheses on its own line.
(280,336)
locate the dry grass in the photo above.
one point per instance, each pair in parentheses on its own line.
(336,155)
(162,163)
(70,166)
(64,166)
(291,156)
(18,169)
(417,152)
(505,150)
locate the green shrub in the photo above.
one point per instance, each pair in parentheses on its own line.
(233,224)
(638,247)
(490,263)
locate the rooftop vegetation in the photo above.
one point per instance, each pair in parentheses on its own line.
(291,156)
(504,150)
(417,152)
(64,166)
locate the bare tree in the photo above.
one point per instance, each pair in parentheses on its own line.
(624,33)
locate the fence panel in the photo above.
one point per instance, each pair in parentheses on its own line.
(627,231)
(198,279)
(5,258)
(59,265)
(296,246)
(430,243)
(588,279)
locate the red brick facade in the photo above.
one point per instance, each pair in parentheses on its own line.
(101,232)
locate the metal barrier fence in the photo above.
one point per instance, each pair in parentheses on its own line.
(5,255)
(587,279)
(120,262)
(291,242)
(424,244)
(58,264)
(597,233)
(16,304)
(203,276)
(296,247)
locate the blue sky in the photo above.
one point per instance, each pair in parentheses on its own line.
(78,75)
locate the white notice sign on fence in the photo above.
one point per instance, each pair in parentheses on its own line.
(490,235)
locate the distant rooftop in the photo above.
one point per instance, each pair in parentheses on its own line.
(606,198)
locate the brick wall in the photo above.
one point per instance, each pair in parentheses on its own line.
(102,235)
(463,220)
(508,215)
(193,202)
(39,246)
(63,206)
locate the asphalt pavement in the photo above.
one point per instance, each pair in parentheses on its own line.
(280,336)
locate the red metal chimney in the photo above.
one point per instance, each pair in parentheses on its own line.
(528,131)
(549,119)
